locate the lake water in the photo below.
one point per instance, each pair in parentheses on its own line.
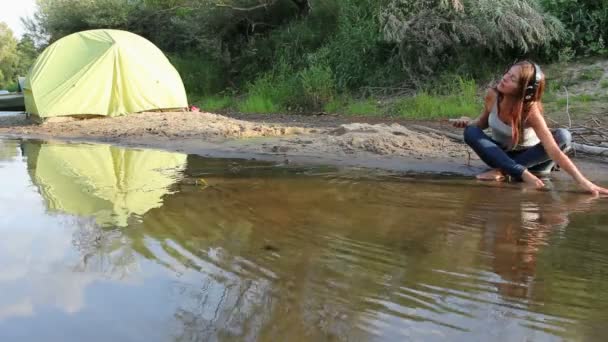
(100,243)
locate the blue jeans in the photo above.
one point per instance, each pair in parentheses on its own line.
(514,163)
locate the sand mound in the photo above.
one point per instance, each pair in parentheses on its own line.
(394,140)
(174,124)
(347,139)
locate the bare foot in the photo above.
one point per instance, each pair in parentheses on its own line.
(531,180)
(492,175)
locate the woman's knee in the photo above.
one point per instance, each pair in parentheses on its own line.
(471,134)
(563,137)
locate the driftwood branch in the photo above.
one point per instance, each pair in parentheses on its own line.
(590,149)
(245,9)
(302,5)
(458,137)
(568,108)
(583,148)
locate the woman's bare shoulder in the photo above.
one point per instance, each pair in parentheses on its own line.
(535,117)
(490,98)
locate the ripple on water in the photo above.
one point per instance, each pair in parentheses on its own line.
(258,252)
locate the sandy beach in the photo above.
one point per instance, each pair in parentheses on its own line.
(371,143)
(307,139)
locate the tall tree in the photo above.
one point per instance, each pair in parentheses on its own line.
(430,33)
(26,55)
(8,55)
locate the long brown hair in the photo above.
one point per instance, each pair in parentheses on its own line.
(521,110)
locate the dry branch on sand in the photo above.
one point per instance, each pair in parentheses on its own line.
(595,138)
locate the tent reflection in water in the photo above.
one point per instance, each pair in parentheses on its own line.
(105,182)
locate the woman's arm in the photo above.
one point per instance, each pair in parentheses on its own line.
(538,123)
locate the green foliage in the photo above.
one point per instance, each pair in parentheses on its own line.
(57,18)
(591,74)
(214,103)
(200,74)
(363,107)
(287,89)
(272,92)
(318,86)
(258,104)
(26,55)
(430,33)
(335,106)
(586,22)
(8,55)
(458,98)
(295,43)
(604,83)
(296,55)
(582,98)
(12,87)
(552,89)
(357,54)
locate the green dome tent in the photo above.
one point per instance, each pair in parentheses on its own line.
(102,72)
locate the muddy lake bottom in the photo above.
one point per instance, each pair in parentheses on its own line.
(106,243)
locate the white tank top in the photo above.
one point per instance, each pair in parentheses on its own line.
(502,134)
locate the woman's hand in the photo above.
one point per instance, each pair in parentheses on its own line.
(593,189)
(462,122)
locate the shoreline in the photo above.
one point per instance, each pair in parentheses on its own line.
(380,146)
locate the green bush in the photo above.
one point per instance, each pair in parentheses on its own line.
(281,87)
(318,86)
(586,22)
(258,104)
(336,105)
(357,53)
(199,74)
(430,33)
(12,87)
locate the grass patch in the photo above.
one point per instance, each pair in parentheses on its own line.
(363,107)
(349,106)
(426,106)
(583,98)
(549,96)
(457,98)
(260,104)
(214,103)
(604,83)
(591,74)
(335,105)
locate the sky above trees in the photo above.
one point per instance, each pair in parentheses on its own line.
(13,10)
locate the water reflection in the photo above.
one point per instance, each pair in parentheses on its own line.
(291,255)
(106,182)
(9,149)
(246,251)
(516,230)
(33,252)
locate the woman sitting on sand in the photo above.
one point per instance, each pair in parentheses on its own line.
(521,142)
